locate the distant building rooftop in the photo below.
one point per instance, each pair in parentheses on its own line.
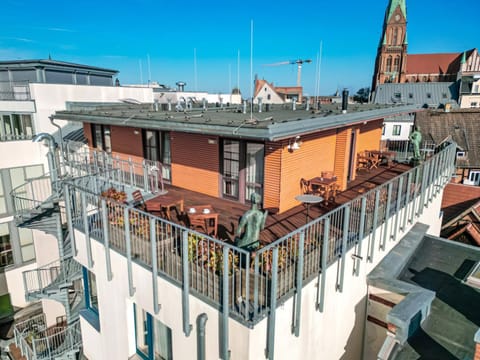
(21,64)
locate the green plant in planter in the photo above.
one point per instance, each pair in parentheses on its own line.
(266,259)
(114,194)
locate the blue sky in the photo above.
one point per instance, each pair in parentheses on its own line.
(168,40)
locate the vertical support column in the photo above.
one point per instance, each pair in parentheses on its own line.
(256,269)
(106,234)
(361,234)
(187,327)
(153,249)
(87,230)
(387,216)
(299,284)
(69,213)
(131,288)
(346,227)
(374,227)
(269,351)
(322,282)
(225,306)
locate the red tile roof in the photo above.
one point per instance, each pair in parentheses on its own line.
(458,198)
(433,63)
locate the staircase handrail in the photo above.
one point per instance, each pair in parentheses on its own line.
(32,193)
(36,280)
(36,341)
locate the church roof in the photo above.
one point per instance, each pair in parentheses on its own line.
(433,63)
(393,5)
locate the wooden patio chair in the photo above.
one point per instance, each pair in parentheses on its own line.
(305,186)
(138,200)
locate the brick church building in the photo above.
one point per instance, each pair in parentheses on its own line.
(394,65)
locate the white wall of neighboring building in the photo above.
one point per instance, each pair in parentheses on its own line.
(335,333)
(265,92)
(51,97)
(391,127)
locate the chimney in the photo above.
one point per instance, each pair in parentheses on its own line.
(307,105)
(259,104)
(155,105)
(294,103)
(181,85)
(244,107)
(169,104)
(344,101)
(204,103)
(267,107)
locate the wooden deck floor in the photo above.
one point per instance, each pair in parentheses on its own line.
(278,225)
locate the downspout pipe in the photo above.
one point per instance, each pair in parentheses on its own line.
(52,165)
(59,132)
(201,324)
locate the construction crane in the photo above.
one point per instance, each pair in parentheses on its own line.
(299,63)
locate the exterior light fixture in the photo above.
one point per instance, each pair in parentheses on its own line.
(295,145)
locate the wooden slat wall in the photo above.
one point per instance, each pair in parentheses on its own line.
(316,154)
(195,162)
(87,130)
(126,142)
(342,153)
(273,167)
(369,136)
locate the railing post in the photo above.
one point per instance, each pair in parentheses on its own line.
(69,208)
(407,201)
(424,188)
(387,216)
(299,284)
(256,275)
(415,194)
(225,306)
(131,288)
(106,243)
(86,230)
(398,208)
(361,235)
(153,242)
(321,287)
(187,327)
(269,351)
(374,226)
(346,233)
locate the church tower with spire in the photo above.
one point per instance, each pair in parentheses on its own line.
(391,61)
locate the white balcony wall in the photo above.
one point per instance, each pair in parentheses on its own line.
(17,106)
(335,333)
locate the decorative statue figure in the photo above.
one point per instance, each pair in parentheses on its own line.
(416,138)
(250,225)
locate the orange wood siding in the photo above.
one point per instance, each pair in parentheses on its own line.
(342,154)
(369,136)
(195,162)
(273,167)
(316,154)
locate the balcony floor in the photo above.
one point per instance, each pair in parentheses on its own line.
(279,225)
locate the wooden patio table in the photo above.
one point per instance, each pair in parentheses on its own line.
(380,155)
(205,217)
(162,205)
(326,186)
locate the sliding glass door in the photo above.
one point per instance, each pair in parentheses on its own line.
(242,169)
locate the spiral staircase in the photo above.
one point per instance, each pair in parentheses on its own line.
(39,206)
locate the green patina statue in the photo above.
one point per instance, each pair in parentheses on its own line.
(416,139)
(250,225)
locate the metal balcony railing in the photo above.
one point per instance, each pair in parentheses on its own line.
(15,90)
(403,149)
(37,341)
(146,175)
(246,285)
(32,194)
